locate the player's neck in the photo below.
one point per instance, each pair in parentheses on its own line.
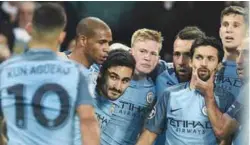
(183,79)
(232,55)
(37,44)
(80,58)
(138,76)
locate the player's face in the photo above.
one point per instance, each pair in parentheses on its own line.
(242,59)
(98,45)
(26,11)
(232,30)
(205,61)
(146,54)
(181,58)
(117,80)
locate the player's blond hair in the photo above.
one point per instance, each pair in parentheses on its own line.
(147,34)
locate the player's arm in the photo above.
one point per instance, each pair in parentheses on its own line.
(223,124)
(156,121)
(147,138)
(89,125)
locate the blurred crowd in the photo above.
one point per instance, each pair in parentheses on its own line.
(123,17)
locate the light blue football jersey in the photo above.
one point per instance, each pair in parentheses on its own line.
(39,96)
(228,79)
(103,110)
(165,78)
(93,72)
(128,119)
(182,113)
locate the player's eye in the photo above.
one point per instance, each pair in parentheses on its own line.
(211,58)
(225,24)
(113,77)
(102,42)
(154,53)
(143,51)
(125,81)
(177,54)
(198,57)
(236,25)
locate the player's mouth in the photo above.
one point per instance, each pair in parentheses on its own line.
(104,58)
(145,65)
(114,93)
(229,39)
(182,71)
(202,71)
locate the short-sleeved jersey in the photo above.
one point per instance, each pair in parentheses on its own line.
(239,110)
(166,78)
(39,96)
(182,113)
(228,80)
(92,77)
(127,121)
(103,110)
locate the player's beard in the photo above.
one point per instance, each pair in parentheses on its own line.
(204,73)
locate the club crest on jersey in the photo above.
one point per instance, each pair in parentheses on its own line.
(204,110)
(112,109)
(150,97)
(152,113)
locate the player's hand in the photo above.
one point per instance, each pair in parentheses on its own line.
(205,87)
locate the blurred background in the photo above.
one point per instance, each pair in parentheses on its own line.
(123,18)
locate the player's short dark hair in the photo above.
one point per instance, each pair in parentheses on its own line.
(89,25)
(208,41)
(117,57)
(48,17)
(237,10)
(190,33)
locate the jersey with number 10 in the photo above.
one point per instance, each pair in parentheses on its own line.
(39,96)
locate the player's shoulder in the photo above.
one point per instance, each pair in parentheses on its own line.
(73,64)
(82,69)
(12,60)
(228,63)
(176,88)
(62,54)
(95,68)
(166,67)
(145,83)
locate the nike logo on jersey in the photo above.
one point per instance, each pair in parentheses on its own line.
(173,110)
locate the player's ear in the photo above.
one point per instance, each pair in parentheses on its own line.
(219,66)
(62,37)
(132,50)
(81,40)
(190,63)
(220,32)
